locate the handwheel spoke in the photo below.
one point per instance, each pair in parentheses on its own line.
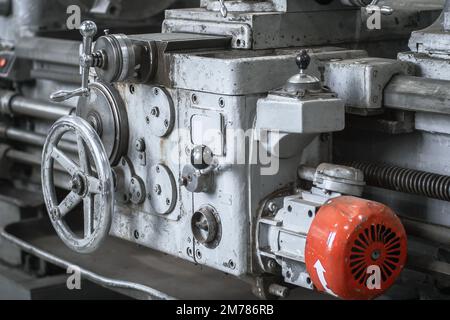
(88,211)
(94,185)
(69,203)
(83,155)
(67,163)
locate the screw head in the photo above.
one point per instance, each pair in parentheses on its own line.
(376,255)
(140,145)
(221,102)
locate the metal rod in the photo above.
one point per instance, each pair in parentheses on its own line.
(28,158)
(418,94)
(38,109)
(11,103)
(405,180)
(435,233)
(33,138)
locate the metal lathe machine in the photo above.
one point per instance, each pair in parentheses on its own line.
(226,148)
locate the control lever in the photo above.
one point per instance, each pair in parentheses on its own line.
(88,30)
(223,8)
(303,60)
(373,6)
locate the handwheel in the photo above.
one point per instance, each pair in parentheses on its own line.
(91,184)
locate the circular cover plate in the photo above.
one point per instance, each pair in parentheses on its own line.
(162,189)
(105,106)
(162,113)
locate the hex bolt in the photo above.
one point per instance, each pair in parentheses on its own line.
(278,290)
(272,264)
(272,206)
(140,145)
(155,112)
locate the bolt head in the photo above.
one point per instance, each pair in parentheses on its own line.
(157,189)
(155,112)
(272,264)
(140,145)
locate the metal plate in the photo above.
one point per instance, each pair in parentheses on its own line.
(163,193)
(105,108)
(162,114)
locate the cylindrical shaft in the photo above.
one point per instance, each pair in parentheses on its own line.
(27,158)
(33,138)
(43,110)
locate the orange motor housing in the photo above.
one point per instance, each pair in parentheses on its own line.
(355,248)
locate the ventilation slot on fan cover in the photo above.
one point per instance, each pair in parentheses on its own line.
(376,245)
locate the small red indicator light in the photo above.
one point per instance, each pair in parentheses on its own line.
(3,62)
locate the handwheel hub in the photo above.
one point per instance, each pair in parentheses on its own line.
(78,184)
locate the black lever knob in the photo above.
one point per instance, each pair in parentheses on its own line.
(303,60)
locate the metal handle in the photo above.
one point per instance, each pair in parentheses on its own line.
(88,30)
(223,8)
(373,6)
(63,95)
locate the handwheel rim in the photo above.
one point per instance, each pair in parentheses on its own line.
(97,196)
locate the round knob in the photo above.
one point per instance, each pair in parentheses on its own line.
(88,29)
(303,60)
(201,157)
